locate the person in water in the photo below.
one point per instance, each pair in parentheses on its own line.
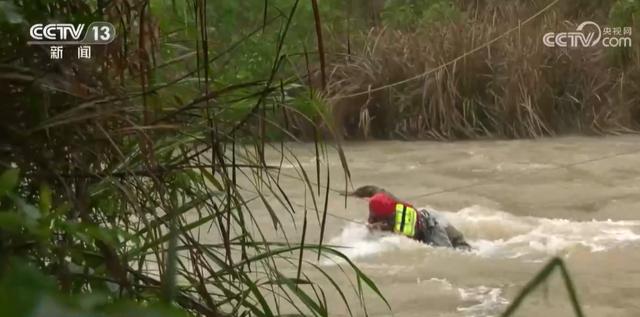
(388,213)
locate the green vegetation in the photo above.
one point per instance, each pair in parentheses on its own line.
(482,71)
(111,170)
(541,277)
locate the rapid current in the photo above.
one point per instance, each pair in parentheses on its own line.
(519,203)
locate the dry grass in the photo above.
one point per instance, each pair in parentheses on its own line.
(515,87)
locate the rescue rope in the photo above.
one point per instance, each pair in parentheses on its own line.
(455,60)
(424,74)
(474,184)
(557,167)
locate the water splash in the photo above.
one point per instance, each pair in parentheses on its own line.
(486,301)
(356,241)
(499,234)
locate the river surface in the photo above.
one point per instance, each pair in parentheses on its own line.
(518,203)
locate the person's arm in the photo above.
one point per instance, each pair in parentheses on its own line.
(375,225)
(380,224)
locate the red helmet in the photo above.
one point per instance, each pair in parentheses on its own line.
(382,205)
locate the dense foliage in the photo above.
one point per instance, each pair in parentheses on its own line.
(451,70)
(113,169)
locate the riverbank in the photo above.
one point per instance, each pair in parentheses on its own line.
(482,70)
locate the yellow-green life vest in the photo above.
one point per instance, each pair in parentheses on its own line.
(405,220)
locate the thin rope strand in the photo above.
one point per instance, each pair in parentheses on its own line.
(419,76)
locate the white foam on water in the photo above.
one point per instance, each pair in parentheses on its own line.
(493,234)
(356,241)
(478,301)
(498,234)
(484,301)
(443,282)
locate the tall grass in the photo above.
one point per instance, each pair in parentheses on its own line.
(514,87)
(555,264)
(116,171)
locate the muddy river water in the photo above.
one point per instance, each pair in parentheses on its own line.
(518,202)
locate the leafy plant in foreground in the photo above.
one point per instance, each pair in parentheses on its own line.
(148,190)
